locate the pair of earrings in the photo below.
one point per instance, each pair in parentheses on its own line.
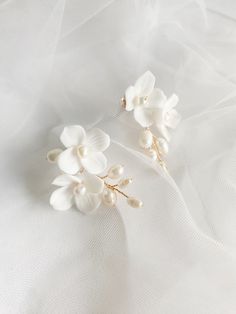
(82,162)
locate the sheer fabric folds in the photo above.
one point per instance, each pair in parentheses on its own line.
(69,62)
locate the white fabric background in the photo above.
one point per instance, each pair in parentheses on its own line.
(65,62)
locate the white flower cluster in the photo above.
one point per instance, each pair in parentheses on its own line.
(151,108)
(81,163)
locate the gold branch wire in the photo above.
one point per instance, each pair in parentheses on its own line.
(104,177)
(155,146)
(159,154)
(114,188)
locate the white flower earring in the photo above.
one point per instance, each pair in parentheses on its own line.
(152,108)
(82,163)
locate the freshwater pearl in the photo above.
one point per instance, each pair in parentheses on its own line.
(80,189)
(53,154)
(145,139)
(163,145)
(133,202)
(123,183)
(142,100)
(152,153)
(109,197)
(82,151)
(115,172)
(139,101)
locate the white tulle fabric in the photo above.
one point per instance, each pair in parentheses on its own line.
(69,62)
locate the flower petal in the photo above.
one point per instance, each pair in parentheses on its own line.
(88,203)
(156,99)
(144,116)
(159,115)
(171,102)
(65,180)
(129,97)
(93,183)
(94,163)
(172,119)
(68,161)
(98,140)
(72,135)
(145,84)
(163,131)
(62,199)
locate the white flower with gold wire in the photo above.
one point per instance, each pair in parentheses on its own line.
(82,163)
(152,110)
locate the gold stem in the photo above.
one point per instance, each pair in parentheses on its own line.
(122,193)
(155,146)
(159,155)
(104,177)
(114,188)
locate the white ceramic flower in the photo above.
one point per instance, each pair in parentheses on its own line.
(166,117)
(82,190)
(143,99)
(83,150)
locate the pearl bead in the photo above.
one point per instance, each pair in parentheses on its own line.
(163,145)
(82,151)
(53,154)
(109,197)
(140,101)
(152,153)
(145,139)
(80,189)
(133,202)
(123,183)
(115,172)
